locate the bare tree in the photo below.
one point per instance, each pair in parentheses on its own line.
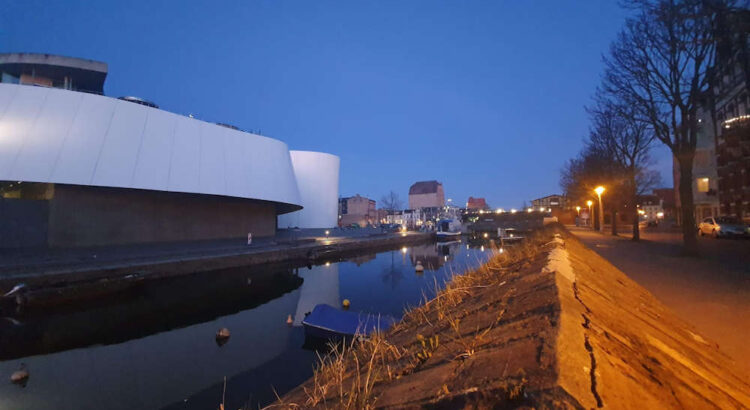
(659,65)
(617,132)
(593,166)
(391,202)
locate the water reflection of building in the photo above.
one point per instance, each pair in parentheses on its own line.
(155,370)
(433,256)
(156,306)
(362,259)
(321,285)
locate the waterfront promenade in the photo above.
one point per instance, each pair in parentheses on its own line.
(47,266)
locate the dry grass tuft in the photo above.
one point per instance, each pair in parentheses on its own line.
(429,335)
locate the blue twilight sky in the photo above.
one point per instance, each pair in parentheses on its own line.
(484,96)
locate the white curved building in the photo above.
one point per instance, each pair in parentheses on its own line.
(317,175)
(80,169)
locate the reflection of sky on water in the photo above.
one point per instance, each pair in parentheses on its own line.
(398,285)
(184,368)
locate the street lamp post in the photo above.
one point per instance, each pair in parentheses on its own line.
(591,216)
(599,190)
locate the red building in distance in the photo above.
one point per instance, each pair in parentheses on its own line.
(476,203)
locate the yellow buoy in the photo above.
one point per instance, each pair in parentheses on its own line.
(289,320)
(345,304)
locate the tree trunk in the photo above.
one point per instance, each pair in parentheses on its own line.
(636,227)
(634,206)
(614,222)
(689,239)
(595,218)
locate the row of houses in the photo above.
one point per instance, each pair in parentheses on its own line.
(426,202)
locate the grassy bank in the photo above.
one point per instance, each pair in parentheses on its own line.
(468,345)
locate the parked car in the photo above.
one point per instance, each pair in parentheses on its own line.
(390,227)
(647,223)
(723,227)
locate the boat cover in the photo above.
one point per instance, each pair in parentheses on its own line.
(327,321)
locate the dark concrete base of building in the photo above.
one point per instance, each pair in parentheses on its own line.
(97,216)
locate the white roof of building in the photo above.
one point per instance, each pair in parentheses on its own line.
(59,136)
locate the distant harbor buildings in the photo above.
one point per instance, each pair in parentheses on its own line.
(357,210)
(426,194)
(476,204)
(78,168)
(550,202)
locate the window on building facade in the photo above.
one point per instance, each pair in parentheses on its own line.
(702,184)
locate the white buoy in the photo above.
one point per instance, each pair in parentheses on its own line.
(419,267)
(223,334)
(20,376)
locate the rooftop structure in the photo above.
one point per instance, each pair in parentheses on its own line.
(49,70)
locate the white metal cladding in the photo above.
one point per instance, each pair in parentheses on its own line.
(59,136)
(317,175)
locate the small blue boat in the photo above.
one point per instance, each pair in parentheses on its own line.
(327,322)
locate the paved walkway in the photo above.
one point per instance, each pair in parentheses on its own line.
(711,292)
(19,262)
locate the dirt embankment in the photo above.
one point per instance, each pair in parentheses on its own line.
(546,324)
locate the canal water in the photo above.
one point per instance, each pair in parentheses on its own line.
(154,347)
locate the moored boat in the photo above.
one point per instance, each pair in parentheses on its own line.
(448,229)
(327,322)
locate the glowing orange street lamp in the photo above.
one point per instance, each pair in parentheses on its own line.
(591,216)
(578,210)
(599,190)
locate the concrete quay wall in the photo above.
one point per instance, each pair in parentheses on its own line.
(120,273)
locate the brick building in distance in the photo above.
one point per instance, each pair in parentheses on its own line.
(476,203)
(426,194)
(357,210)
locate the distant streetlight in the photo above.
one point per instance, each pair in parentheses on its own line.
(591,216)
(599,190)
(578,210)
